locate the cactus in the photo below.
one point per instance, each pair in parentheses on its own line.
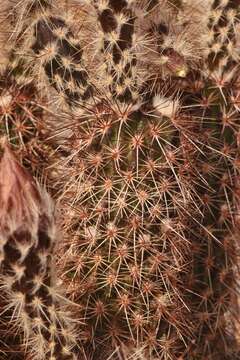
(28,236)
(145,170)
(217,261)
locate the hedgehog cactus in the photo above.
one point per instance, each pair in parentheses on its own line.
(146,173)
(28,235)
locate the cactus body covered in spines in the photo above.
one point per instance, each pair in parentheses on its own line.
(36,310)
(146,173)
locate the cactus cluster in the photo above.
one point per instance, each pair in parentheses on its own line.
(128,112)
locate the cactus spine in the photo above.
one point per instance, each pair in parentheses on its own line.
(146,172)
